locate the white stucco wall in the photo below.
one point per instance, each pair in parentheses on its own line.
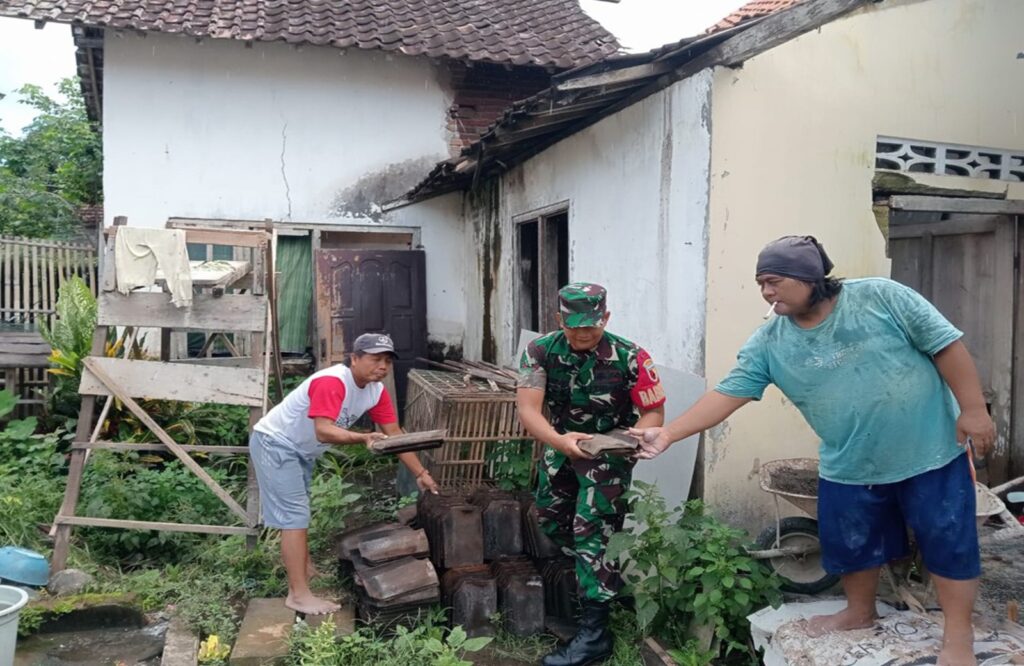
(214,129)
(793,152)
(442,236)
(217,130)
(636,186)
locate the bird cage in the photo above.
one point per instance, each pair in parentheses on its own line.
(477,418)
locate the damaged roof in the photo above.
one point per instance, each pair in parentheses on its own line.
(546,33)
(583,96)
(752,10)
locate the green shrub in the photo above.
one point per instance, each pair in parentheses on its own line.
(119,485)
(685,568)
(332,500)
(72,330)
(428,644)
(28,503)
(510,463)
(21,450)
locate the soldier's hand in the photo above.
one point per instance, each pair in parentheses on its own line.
(568,444)
(653,442)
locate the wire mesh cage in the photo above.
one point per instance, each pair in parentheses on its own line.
(485,438)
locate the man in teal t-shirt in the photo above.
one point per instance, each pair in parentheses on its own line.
(883,378)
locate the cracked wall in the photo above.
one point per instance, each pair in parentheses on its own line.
(310,134)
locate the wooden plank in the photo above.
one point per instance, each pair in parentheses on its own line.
(779,28)
(34,242)
(156,380)
(274,328)
(108,280)
(5,274)
(628,74)
(230,312)
(34,297)
(46,278)
(252,486)
(24,360)
(23,336)
(981,225)
(76,465)
(231,237)
(956,205)
(234,237)
(86,521)
(92,366)
(133,446)
(218,361)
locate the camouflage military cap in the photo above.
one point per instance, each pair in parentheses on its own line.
(581,304)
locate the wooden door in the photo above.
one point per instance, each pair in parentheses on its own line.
(965,265)
(369,291)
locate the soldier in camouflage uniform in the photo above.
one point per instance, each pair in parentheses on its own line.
(592,382)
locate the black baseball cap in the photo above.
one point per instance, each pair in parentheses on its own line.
(374,343)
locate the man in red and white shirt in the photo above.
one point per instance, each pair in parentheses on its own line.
(286,443)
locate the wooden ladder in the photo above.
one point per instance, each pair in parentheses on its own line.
(243,307)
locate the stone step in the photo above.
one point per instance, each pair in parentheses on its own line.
(344,620)
(263,637)
(181,646)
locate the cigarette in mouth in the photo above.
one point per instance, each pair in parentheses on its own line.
(770,312)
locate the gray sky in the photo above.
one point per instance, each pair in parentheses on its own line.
(45,56)
(27,55)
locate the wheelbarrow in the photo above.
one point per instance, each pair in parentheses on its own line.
(791,546)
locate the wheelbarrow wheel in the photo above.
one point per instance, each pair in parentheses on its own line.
(801,574)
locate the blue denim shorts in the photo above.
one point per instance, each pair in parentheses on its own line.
(284,476)
(863,527)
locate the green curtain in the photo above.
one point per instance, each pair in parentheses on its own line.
(294,291)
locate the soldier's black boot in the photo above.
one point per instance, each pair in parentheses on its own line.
(592,642)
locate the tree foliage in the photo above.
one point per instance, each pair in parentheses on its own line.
(51,170)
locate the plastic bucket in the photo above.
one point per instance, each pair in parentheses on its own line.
(12,600)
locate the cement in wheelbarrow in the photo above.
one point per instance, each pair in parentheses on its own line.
(794,480)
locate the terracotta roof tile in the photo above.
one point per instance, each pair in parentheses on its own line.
(554,33)
(752,10)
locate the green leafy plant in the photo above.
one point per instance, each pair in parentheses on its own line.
(28,502)
(70,336)
(691,654)
(428,644)
(21,450)
(333,499)
(118,485)
(511,463)
(685,569)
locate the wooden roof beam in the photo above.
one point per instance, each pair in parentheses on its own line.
(635,74)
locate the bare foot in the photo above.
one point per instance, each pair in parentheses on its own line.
(844,620)
(310,604)
(958,650)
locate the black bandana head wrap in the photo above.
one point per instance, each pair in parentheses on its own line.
(798,257)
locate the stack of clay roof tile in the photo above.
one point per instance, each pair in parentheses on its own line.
(395,582)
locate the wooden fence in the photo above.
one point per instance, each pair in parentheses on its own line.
(31,273)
